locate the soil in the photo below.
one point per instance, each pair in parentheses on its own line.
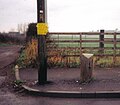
(8,55)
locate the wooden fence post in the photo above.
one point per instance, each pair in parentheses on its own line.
(114,55)
(101,39)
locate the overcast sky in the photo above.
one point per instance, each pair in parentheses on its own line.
(63,15)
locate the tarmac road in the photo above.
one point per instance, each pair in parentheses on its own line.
(10,98)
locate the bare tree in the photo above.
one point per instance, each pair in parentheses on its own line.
(22,28)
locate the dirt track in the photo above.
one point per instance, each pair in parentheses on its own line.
(8,55)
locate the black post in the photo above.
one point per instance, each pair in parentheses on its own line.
(42,56)
(101,44)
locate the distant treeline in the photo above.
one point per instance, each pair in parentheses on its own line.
(20,39)
(11,39)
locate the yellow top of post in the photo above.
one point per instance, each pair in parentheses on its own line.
(42,28)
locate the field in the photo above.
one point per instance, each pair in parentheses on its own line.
(74,42)
(67,49)
(77,38)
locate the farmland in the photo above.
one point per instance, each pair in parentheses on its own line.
(69,47)
(77,38)
(64,50)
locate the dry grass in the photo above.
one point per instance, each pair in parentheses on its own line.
(60,58)
(31,52)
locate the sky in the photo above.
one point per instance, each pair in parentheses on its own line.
(62,15)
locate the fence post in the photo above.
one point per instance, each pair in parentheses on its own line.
(80,45)
(114,55)
(101,43)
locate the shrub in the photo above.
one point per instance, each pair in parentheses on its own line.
(9,39)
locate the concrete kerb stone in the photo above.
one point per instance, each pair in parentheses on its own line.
(108,94)
(69,94)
